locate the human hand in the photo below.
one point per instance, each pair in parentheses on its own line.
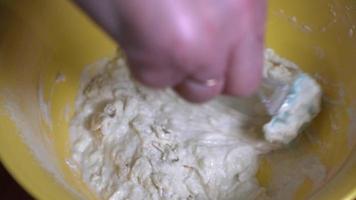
(201,48)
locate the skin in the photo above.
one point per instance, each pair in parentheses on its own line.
(201,48)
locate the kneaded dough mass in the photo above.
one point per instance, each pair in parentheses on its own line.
(131,142)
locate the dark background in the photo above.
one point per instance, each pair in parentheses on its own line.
(9,188)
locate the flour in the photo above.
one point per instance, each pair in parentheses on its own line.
(131,142)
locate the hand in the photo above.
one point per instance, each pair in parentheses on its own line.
(201,48)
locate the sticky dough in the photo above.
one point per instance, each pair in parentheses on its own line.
(131,142)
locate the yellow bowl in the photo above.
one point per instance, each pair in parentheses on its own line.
(42,42)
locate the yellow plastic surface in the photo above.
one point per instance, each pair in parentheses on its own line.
(40,39)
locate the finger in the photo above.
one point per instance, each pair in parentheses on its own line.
(154,71)
(198,91)
(246,58)
(244,73)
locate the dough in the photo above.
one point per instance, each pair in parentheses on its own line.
(301,104)
(131,142)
